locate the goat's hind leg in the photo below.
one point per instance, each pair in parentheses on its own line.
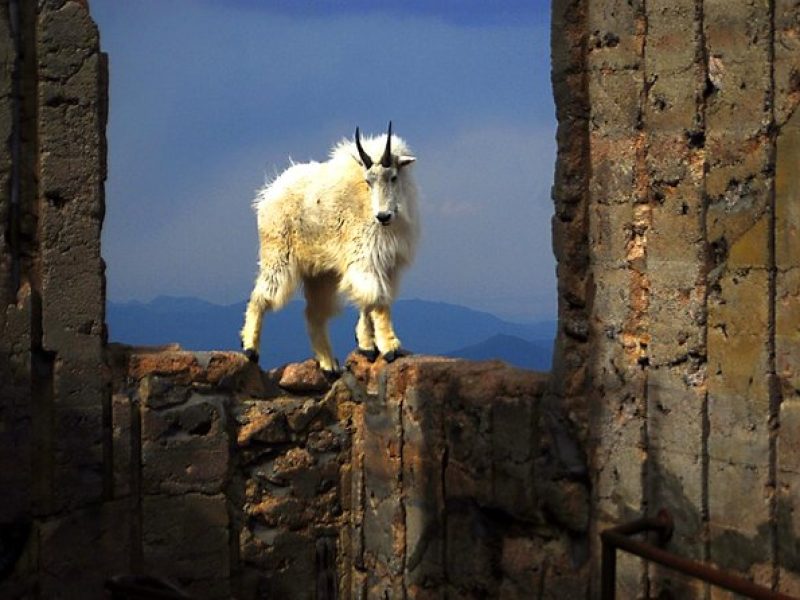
(253,319)
(321,305)
(271,292)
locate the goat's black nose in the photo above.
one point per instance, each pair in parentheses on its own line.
(384,217)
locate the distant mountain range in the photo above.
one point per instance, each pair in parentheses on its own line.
(425,328)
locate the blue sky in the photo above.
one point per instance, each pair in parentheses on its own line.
(211,97)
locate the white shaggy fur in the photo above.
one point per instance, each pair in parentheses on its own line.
(318,224)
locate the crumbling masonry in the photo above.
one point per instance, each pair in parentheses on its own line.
(676,379)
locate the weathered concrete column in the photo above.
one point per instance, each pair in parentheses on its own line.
(54,384)
(690,152)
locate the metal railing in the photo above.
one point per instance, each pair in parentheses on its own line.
(620,538)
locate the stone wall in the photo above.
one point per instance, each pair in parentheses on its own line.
(428,478)
(676,238)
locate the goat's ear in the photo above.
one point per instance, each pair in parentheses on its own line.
(403,161)
(358,160)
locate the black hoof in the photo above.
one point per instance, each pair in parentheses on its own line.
(393,355)
(331,376)
(371,355)
(251,355)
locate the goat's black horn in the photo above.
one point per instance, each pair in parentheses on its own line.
(364,156)
(386,159)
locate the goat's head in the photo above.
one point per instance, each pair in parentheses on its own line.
(383,179)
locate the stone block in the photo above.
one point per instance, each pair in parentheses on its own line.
(742,551)
(566,503)
(615,35)
(77,456)
(284,561)
(788,450)
(675,480)
(739,429)
(611,233)
(81,382)
(738,201)
(186,541)
(471,545)
(467,434)
(124,444)
(678,203)
(301,378)
(747,510)
(787,193)
(423,464)
(675,397)
(737,338)
(788,520)
(571,175)
(670,149)
(260,422)
(224,371)
(384,525)
(514,441)
(620,483)
(676,314)
(671,39)
(789,582)
(615,105)
(186,448)
(787,332)
(280,511)
(737,42)
(786,65)
(565,27)
(738,368)
(751,248)
(79,550)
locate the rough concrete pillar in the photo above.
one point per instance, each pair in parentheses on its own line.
(691,332)
(54,387)
(72,117)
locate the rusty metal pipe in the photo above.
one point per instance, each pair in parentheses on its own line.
(619,538)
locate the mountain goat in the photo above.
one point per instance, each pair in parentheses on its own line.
(346,225)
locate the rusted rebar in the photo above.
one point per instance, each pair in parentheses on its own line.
(620,538)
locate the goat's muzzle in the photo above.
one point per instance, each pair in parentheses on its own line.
(384,217)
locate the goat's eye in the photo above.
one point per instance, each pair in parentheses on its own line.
(394,177)
(368,182)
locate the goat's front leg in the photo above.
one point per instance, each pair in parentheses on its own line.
(385,337)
